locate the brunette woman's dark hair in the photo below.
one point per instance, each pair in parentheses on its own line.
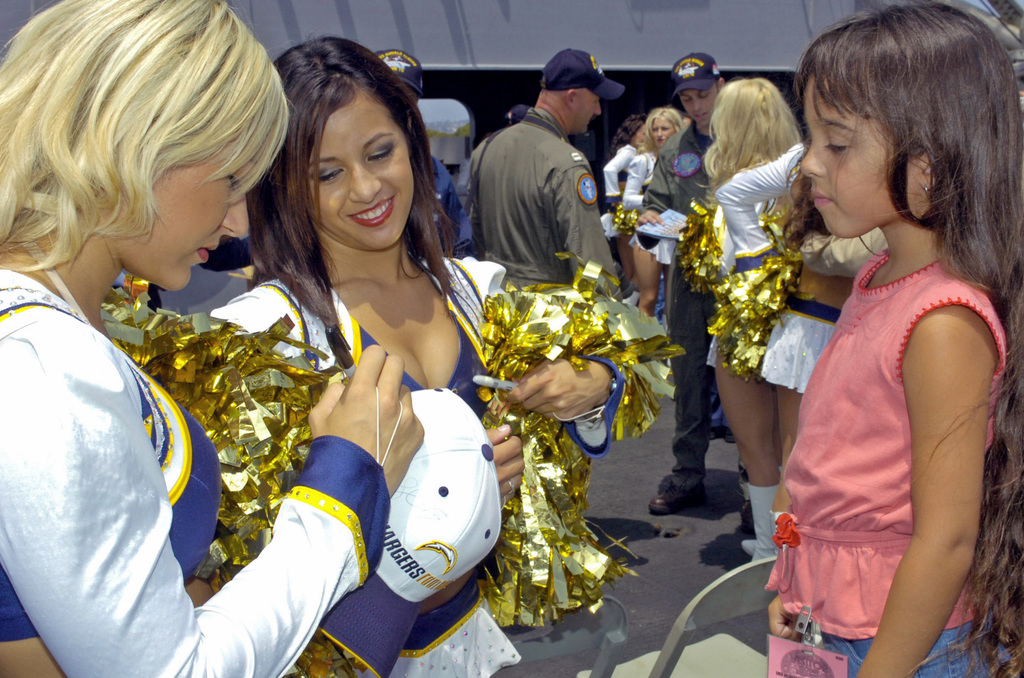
(630,126)
(938,85)
(319,77)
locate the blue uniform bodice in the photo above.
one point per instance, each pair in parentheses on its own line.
(461,382)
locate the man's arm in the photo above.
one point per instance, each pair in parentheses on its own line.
(578,219)
(475,221)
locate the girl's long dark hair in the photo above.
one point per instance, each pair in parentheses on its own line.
(938,85)
(319,77)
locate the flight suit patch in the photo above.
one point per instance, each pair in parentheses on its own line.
(686,165)
(587,189)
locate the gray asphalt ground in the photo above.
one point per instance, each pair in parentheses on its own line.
(675,556)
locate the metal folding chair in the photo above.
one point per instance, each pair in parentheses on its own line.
(734,594)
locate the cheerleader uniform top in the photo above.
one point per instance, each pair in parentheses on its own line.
(742,200)
(849,478)
(472,281)
(110,499)
(638,177)
(615,175)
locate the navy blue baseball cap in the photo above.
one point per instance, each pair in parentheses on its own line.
(575,69)
(406,66)
(695,71)
(516,114)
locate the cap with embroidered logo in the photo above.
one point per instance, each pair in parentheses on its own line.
(445,517)
(575,69)
(695,71)
(406,66)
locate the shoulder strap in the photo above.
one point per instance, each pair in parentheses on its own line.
(293,306)
(467,304)
(537,121)
(466,292)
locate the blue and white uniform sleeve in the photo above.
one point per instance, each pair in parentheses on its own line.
(639,171)
(595,439)
(85,520)
(742,199)
(612,190)
(488,276)
(449,199)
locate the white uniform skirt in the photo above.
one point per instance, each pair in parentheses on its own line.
(794,347)
(664,251)
(477,648)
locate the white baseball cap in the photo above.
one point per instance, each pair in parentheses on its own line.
(445,518)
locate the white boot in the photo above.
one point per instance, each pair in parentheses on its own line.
(761,499)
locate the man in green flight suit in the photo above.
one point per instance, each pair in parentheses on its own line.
(531,193)
(679,179)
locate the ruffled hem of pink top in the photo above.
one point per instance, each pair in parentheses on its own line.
(845,599)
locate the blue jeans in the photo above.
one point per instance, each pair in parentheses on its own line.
(947,658)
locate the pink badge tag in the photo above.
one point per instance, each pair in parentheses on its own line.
(788,659)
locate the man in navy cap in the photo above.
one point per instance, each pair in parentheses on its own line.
(679,179)
(411,73)
(532,194)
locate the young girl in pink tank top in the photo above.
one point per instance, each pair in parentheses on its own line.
(906,528)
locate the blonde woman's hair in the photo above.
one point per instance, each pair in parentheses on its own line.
(674,117)
(752,125)
(99,98)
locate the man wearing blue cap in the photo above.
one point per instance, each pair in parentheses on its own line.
(410,71)
(532,194)
(679,179)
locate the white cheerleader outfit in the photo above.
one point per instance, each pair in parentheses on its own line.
(97,463)
(614,179)
(798,339)
(641,171)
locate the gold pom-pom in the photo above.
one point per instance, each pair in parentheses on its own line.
(750,304)
(549,562)
(624,220)
(700,247)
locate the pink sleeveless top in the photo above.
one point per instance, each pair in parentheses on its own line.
(849,472)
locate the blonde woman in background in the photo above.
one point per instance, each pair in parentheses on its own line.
(130,131)
(752,125)
(651,263)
